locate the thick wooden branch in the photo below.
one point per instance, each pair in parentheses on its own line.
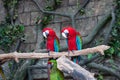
(76,71)
(32,55)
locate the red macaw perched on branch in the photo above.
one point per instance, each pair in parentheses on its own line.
(52,44)
(74,40)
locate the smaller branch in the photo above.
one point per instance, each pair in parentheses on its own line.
(104,69)
(34,55)
(83,6)
(87,61)
(50,12)
(110,27)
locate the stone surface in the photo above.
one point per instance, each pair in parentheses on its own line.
(73,2)
(2,11)
(58,18)
(21,6)
(64,24)
(25,47)
(68,10)
(64,3)
(99,7)
(24,18)
(40,41)
(29,6)
(85,26)
(34,16)
(30,34)
(56,28)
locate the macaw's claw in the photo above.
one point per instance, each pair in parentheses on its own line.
(73,52)
(48,52)
(69,55)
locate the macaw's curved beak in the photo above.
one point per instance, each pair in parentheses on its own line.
(45,34)
(50,65)
(65,35)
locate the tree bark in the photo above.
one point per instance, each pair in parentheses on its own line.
(76,71)
(104,69)
(34,55)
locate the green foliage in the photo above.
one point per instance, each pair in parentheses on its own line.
(47,18)
(9,34)
(90,56)
(82,11)
(10,3)
(100,77)
(57,2)
(110,52)
(11,7)
(115,34)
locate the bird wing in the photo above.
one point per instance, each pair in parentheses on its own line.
(56,45)
(79,42)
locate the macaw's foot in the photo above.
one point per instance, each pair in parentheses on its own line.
(69,55)
(73,51)
(48,52)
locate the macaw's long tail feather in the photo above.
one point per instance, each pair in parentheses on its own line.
(76,59)
(2,73)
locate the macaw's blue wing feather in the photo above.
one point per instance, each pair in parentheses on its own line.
(79,42)
(56,45)
(79,47)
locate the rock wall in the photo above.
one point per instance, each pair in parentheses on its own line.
(28,13)
(2,12)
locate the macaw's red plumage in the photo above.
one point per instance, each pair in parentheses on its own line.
(74,40)
(52,42)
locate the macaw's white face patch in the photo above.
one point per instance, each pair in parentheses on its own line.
(45,33)
(65,33)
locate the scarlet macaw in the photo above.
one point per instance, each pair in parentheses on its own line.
(74,40)
(52,44)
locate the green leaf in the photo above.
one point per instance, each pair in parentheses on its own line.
(112,50)
(22,28)
(89,56)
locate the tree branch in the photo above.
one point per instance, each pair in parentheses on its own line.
(76,71)
(16,55)
(104,69)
